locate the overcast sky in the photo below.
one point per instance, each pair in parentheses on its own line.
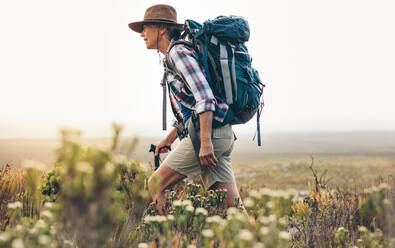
(327,65)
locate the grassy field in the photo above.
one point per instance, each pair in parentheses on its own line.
(313,190)
(353,159)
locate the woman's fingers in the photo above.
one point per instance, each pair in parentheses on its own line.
(209,160)
(156,150)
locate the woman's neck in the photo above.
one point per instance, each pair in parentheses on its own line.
(163,45)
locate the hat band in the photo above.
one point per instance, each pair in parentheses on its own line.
(159,20)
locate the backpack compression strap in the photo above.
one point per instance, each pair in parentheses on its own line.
(229,79)
(258,126)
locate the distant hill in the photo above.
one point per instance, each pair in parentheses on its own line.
(274,145)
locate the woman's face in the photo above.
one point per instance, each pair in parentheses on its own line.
(150,35)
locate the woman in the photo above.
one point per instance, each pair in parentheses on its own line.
(188,93)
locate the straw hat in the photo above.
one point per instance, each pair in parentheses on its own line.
(160,13)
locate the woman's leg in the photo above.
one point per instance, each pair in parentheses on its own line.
(232,194)
(162,179)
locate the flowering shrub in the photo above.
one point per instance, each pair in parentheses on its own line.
(27,232)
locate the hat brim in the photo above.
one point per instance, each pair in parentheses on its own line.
(138,26)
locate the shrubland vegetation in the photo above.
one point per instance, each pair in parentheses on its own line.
(97,198)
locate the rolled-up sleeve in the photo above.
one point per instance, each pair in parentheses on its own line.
(186,64)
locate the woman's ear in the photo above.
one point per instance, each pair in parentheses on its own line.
(162,29)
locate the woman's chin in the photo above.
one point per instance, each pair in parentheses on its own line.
(149,46)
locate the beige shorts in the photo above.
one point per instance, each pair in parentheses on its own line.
(184,160)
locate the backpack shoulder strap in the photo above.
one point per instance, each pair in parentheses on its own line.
(178,42)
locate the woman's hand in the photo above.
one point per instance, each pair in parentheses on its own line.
(164,142)
(206,155)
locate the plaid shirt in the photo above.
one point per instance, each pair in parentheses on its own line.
(192,90)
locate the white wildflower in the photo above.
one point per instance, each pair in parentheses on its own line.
(239,216)
(265,191)
(279,193)
(17,243)
(41,224)
(283,221)
(275,193)
(177,203)
(231,211)
(33,230)
(19,227)
(147,219)
(208,233)
(362,229)
(190,209)
(284,235)
(170,217)
(187,203)
(270,204)
(143,245)
(48,204)
(259,245)
(267,219)
(202,211)
(68,242)
(264,230)
(46,214)
(223,223)
(4,237)
(44,239)
(15,205)
(248,202)
(159,218)
(254,193)
(245,235)
(375,189)
(383,186)
(214,219)
(155,218)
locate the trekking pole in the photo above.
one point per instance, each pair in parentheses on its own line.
(157,158)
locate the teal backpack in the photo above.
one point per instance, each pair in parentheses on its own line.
(220,46)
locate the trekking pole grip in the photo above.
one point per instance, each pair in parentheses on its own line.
(157,158)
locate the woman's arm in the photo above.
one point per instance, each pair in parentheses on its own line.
(167,141)
(206,153)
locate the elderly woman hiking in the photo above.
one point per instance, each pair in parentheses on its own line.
(190,94)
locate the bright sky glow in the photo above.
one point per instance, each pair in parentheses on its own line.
(328,65)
